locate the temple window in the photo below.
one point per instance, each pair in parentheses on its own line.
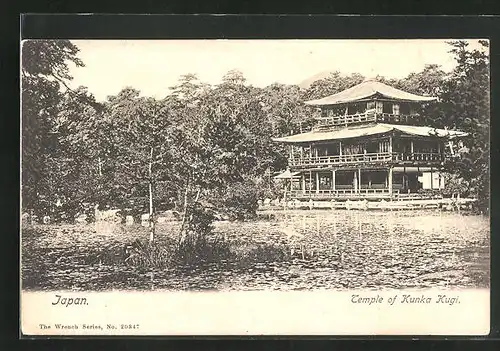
(395,109)
(332,149)
(325,182)
(371,147)
(370,105)
(387,107)
(384,146)
(405,109)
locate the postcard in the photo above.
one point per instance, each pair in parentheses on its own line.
(255,187)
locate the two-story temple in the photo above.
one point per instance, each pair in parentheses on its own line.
(365,146)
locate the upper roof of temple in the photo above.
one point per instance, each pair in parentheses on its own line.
(367,89)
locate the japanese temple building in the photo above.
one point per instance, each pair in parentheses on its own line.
(365,145)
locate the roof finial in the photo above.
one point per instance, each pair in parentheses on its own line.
(370,79)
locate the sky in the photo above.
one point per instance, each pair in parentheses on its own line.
(152,66)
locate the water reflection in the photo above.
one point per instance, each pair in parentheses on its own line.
(334,249)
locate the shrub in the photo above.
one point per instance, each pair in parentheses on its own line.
(239,201)
(150,255)
(201,249)
(268,189)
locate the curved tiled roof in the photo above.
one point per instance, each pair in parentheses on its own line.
(367,89)
(356,132)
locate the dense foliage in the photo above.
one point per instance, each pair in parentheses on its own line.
(204,150)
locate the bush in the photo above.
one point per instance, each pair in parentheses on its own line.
(454,184)
(198,244)
(239,201)
(149,255)
(200,249)
(268,189)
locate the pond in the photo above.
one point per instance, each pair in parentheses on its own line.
(329,249)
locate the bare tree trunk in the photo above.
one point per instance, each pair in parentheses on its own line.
(151,215)
(182,236)
(198,193)
(194,203)
(151,207)
(99,166)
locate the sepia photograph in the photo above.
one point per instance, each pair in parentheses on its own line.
(276,166)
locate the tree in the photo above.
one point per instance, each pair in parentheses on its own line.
(141,136)
(221,147)
(466,102)
(285,110)
(75,168)
(336,83)
(429,82)
(234,78)
(45,71)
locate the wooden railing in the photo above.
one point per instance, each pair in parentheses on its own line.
(362,118)
(391,117)
(342,193)
(418,156)
(346,119)
(342,159)
(367,158)
(412,196)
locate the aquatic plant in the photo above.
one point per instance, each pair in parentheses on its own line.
(148,254)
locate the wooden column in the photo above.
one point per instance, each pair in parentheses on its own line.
(303,183)
(310,182)
(340,148)
(432,180)
(333,180)
(317,182)
(359,179)
(390,144)
(405,179)
(411,146)
(355,182)
(286,189)
(389,179)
